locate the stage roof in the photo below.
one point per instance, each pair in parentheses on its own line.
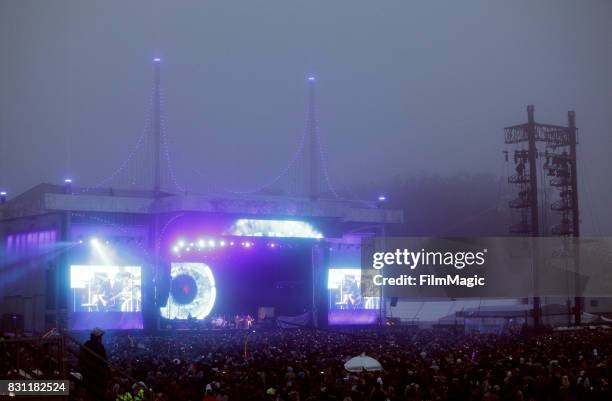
(48,198)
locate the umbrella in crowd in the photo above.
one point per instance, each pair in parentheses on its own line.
(361,363)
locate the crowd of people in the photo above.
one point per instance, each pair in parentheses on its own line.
(304,364)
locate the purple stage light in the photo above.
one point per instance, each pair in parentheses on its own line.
(352,317)
(311,78)
(157,59)
(106,320)
(382,198)
(68,181)
(219,244)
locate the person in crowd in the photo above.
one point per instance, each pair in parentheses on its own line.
(93,365)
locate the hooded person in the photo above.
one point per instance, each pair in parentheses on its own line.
(209,394)
(93,365)
(138,390)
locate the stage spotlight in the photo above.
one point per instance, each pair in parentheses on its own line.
(211,243)
(201,243)
(68,185)
(382,198)
(221,243)
(176,249)
(181,243)
(231,243)
(101,252)
(3,196)
(80,241)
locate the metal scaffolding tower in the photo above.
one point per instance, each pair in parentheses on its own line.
(559,155)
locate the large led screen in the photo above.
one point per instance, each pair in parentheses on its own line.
(108,297)
(192,292)
(346,303)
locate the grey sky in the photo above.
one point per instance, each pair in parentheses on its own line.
(403,87)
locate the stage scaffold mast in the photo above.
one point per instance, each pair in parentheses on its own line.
(312,137)
(560,165)
(156,126)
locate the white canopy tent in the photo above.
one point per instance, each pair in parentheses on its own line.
(361,363)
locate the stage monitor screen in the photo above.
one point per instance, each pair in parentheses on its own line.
(346,304)
(192,292)
(108,297)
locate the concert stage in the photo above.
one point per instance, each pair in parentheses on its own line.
(79,257)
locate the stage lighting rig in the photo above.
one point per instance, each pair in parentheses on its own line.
(381,201)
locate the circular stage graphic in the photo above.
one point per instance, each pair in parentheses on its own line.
(184,289)
(192,291)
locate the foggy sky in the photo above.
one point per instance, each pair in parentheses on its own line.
(403,87)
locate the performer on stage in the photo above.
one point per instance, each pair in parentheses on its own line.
(249,321)
(352,293)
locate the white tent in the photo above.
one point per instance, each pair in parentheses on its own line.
(361,363)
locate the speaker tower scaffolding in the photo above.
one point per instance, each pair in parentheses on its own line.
(560,164)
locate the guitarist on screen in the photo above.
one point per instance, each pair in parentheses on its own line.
(101,292)
(352,293)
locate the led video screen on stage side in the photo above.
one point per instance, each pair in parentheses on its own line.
(108,297)
(346,304)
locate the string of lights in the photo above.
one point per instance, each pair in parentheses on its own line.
(268,183)
(171,174)
(164,228)
(166,146)
(323,159)
(135,150)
